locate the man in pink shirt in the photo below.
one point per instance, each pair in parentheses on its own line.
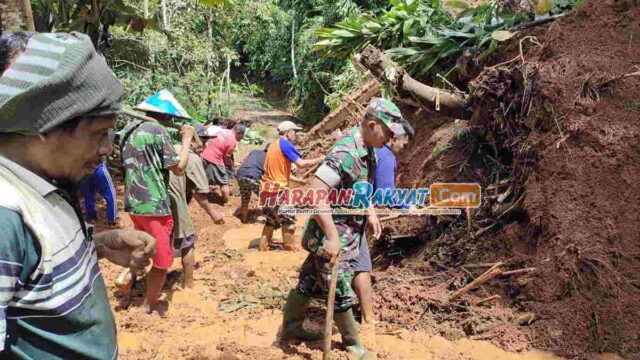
(218,157)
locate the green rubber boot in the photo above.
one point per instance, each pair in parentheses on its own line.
(350,339)
(295,310)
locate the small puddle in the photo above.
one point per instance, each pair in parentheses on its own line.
(240,238)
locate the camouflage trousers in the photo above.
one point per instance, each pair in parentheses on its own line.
(315,276)
(248,186)
(275,219)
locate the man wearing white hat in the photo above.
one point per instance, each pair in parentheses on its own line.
(277,172)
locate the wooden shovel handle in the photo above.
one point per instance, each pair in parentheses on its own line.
(328,321)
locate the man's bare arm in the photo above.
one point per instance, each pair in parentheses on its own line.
(187,134)
(305,163)
(325,221)
(228,162)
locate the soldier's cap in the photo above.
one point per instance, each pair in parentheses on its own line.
(398,130)
(387,112)
(288,125)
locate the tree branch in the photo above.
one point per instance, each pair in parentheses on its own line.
(439,100)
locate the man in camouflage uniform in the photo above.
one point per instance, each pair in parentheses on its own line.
(148,156)
(329,238)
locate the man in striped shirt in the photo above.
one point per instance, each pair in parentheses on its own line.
(58,104)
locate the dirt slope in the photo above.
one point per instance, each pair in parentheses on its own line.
(585,195)
(579,227)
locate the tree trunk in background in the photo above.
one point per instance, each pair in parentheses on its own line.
(229,75)
(146,8)
(442,101)
(293,53)
(212,81)
(28,15)
(165,18)
(210,26)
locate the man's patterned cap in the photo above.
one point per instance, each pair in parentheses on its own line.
(387,112)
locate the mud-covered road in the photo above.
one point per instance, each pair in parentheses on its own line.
(234,311)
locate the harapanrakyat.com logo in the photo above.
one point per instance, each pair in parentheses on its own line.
(443,199)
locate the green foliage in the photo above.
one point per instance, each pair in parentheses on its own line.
(436,152)
(212,50)
(343,83)
(422,35)
(226,4)
(262,130)
(83,16)
(265,39)
(253,138)
(193,62)
(457,4)
(560,6)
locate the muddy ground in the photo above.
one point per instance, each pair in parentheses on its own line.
(234,311)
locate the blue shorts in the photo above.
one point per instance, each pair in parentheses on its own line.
(362,263)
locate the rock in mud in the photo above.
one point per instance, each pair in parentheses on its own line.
(526,319)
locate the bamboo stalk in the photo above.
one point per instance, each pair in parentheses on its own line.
(478,266)
(490,298)
(403,236)
(518,272)
(486,276)
(390,217)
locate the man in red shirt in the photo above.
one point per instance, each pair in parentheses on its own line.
(217,155)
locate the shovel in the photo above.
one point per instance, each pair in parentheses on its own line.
(328,321)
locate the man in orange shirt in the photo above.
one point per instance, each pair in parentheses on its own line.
(275,179)
(217,155)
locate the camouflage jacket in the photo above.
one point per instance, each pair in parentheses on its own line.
(352,161)
(147,155)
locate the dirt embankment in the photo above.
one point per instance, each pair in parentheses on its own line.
(556,149)
(584,195)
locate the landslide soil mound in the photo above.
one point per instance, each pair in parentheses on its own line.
(555,147)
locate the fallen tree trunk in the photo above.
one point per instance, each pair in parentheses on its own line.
(439,100)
